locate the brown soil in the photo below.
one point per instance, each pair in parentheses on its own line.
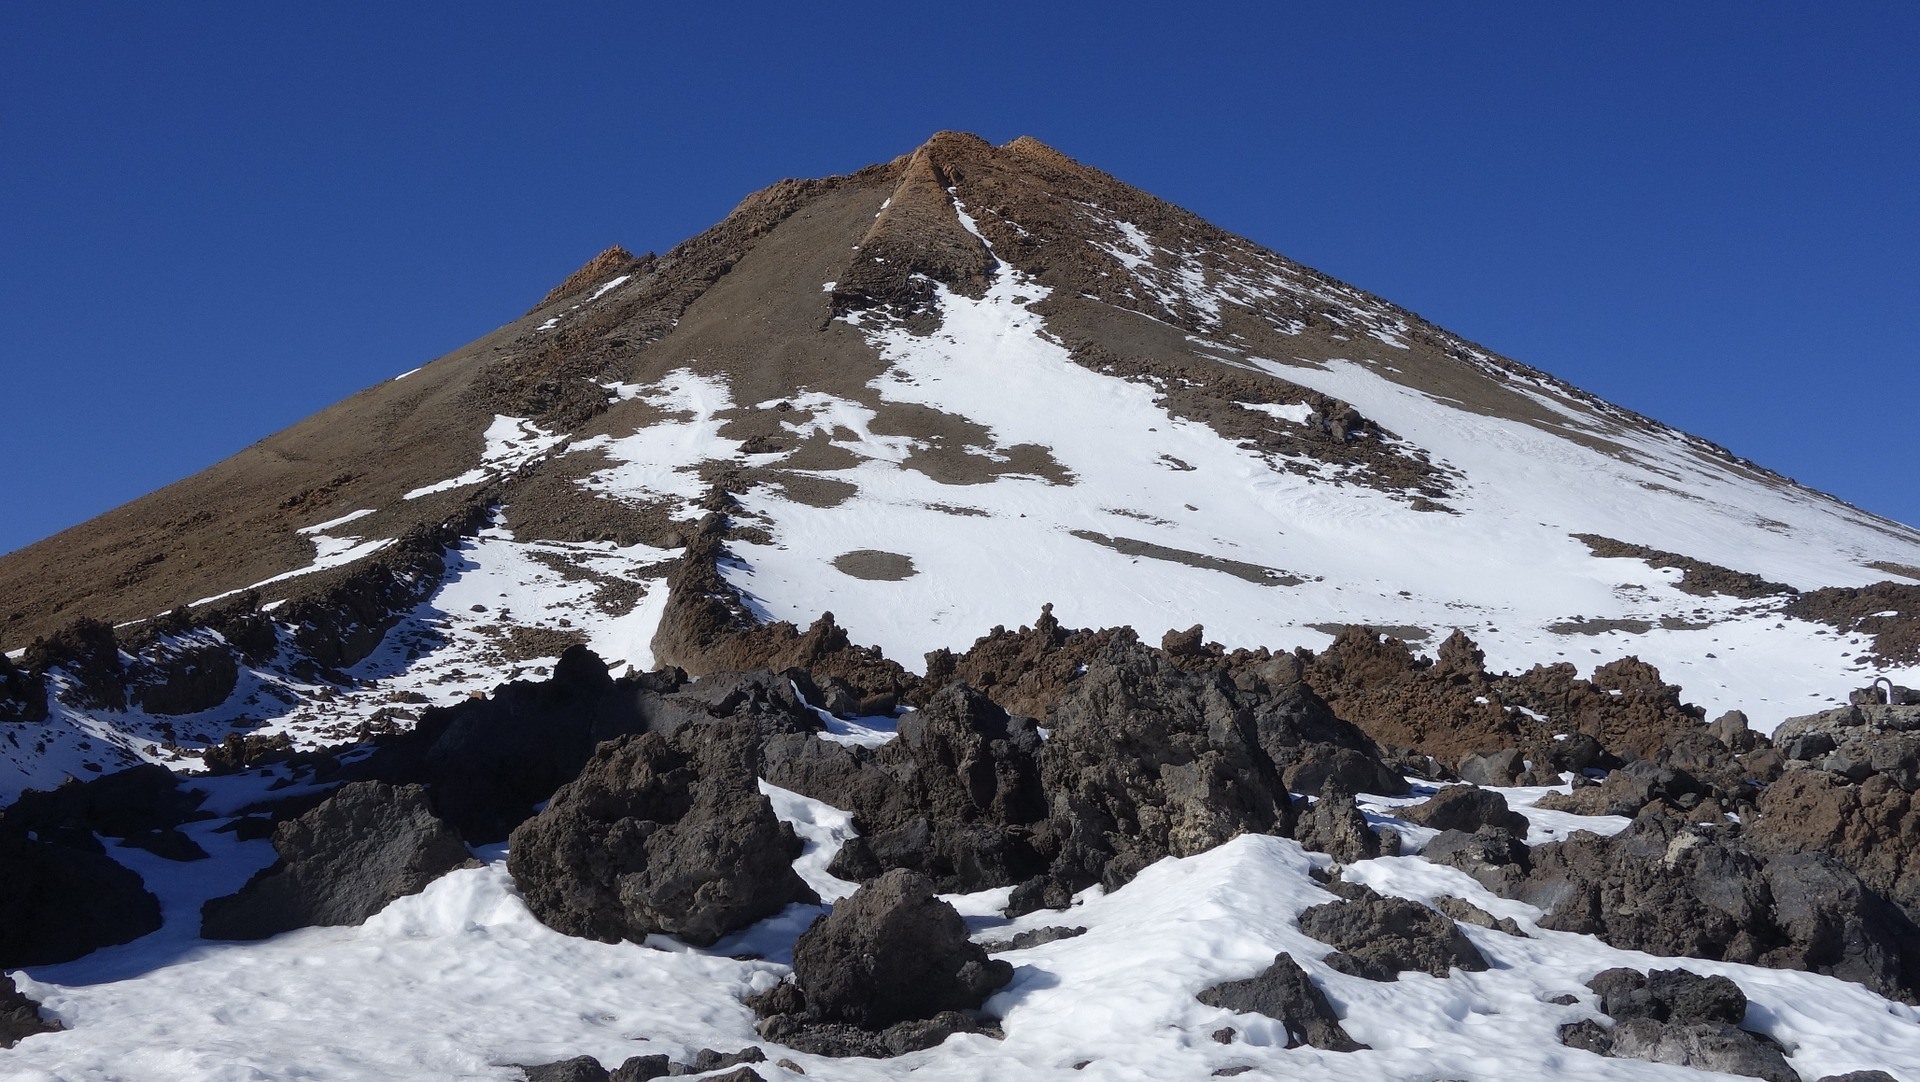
(1240,569)
(1896,636)
(876,565)
(1697,577)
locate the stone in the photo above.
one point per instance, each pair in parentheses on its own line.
(58,903)
(1500,768)
(666,835)
(20,1016)
(892,952)
(1284,993)
(1466,808)
(1379,938)
(340,863)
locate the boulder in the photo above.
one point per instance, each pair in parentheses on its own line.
(891,952)
(1493,767)
(577,1069)
(20,1016)
(340,863)
(1493,857)
(1284,993)
(1674,1016)
(1147,761)
(1335,825)
(1466,808)
(58,903)
(658,834)
(1379,938)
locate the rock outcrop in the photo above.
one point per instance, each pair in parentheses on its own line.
(20,1016)
(340,863)
(660,834)
(1379,938)
(1284,993)
(889,970)
(1673,1016)
(1694,890)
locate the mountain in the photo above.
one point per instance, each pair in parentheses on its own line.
(853,435)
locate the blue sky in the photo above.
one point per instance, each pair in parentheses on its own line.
(216,219)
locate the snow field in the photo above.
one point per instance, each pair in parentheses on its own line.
(461,980)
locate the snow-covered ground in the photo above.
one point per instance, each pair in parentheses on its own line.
(461,981)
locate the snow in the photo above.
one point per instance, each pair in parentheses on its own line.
(662,460)
(605,289)
(461,981)
(511,442)
(1297,412)
(323,527)
(329,553)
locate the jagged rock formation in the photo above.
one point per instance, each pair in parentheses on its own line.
(1380,938)
(1284,993)
(660,834)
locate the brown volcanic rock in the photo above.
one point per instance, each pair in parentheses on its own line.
(1896,637)
(1873,828)
(1446,709)
(915,242)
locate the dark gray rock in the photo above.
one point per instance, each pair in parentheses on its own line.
(20,1016)
(955,797)
(1379,938)
(1493,767)
(1461,911)
(1335,825)
(892,952)
(1034,937)
(1860,1076)
(577,1069)
(58,903)
(1693,890)
(1466,808)
(1284,993)
(340,863)
(643,1069)
(1704,1046)
(1147,761)
(1495,858)
(660,835)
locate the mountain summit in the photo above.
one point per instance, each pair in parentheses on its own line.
(753,643)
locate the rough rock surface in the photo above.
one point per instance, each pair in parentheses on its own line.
(892,952)
(1467,808)
(20,1016)
(660,835)
(1491,855)
(1335,825)
(1694,890)
(340,863)
(1674,1016)
(955,796)
(1379,938)
(1285,993)
(1146,761)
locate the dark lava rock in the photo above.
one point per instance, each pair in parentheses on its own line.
(660,835)
(1335,825)
(183,675)
(19,1016)
(643,1068)
(1625,791)
(1285,993)
(1467,808)
(955,796)
(491,760)
(1495,858)
(1704,1046)
(1461,911)
(1860,1076)
(1147,761)
(58,903)
(340,863)
(1673,1016)
(1379,938)
(577,1069)
(1034,937)
(129,803)
(1492,767)
(892,952)
(1669,995)
(1681,889)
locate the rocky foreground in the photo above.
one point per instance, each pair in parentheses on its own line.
(644,806)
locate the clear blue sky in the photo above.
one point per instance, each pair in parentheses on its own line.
(218,218)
